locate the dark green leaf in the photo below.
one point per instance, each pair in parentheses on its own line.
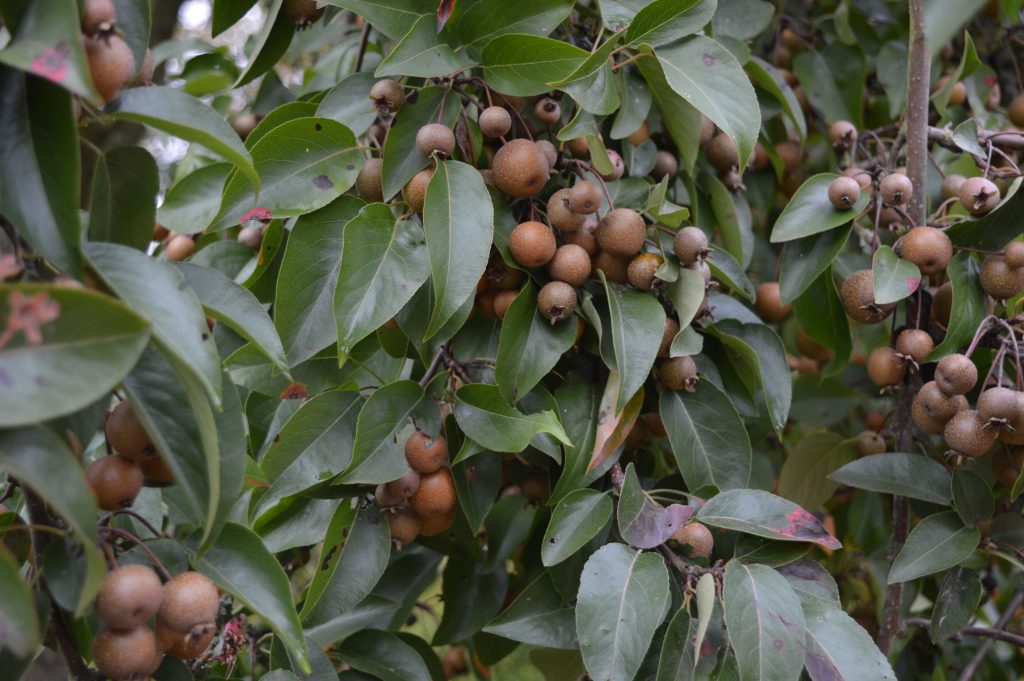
(472,597)
(390,18)
(687,293)
(623,597)
(764,621)
(355,553)
(764,515)
(304,302)
(743,19)
(42,461)
(157,290)
(727,270)
(529,346)
(176,113)
(18,618)
(769,79)
(81,355)
(968,306)
(239,563)
(124,189)
(940,541)
(812,583)
(303,165)
(732,213)
(523,65)
(479,21)
(708,438)
(822,317)
(192,203)
(575,520)
(349,102)
(708,76)
(636,324)
(385,656)
(678,657)
(486,418)
(664,21)
(894,278)
(972,497)
(378,455)
(908,475)
(643,522)
(838,649)
(402,159)
(314,445)
(226,301)
(957,600)
(421,53)
(810,212)
(458,221)
(538,617)
(681,119)
(821,82)
(270,43)
(995,230)
(762,349)
(804,260)
(804,477)
(40,165)
(383,264)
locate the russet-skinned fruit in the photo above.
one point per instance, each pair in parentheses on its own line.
(1015,111)
(916,344)
(502,301)
(614,267)
(1014,254)
(404,524)
(722,153)
(304,13)
(404,486)
(942,304)
(387,95)
(697,537)
(111,64)
(431,525)
(560,215)
(98,15)
(1016,435)
(978,195)
(584,236)
(665,165)
(937,404)
(548,152)
(843,192)
(618,166)
(415,190)
(967,434)
(115,481)
(495,121)
(858,298)
(811,348)
(532,244)
(679,373)
(185,646)
(928,248)
(128,597)
(621,232)
(556,301)
(571,264)
(126,435)
(667,336)
(690,245)
(548,111)
(519,169)
(869,442)
(885,367)
(436,494)
(435,138)
(368,182)
(179,247)
(424,454)
(922,420)
(951,185)
(124,655)
(191,601)
(843,135)
(642,269)
(998,406)
(956,374)
(768,303)
(861,176)
(998,279)
(584,198)
(896,189)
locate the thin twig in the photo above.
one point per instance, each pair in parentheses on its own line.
(364,38)
(981,632)
(986,645)
(432,368)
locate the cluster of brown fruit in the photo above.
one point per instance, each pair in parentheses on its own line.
(421,502)
(941,406)
(117,479)
(111,62)
(185,609)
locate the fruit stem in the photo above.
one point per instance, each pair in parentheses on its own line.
(364,38)
(124,534)
(432,367)
(145,523)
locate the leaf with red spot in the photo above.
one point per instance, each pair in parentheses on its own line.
(765,515)
(894,277)
(444,12)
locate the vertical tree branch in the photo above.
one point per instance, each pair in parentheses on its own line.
(918,75)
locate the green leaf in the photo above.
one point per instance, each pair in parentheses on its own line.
(355,553)
(643,522)
(458,221)
(270,43)
(575,520)
(487,419)
(771,81)
(384,655)
(18,618)
(623,597)
(804,260)
(477,22)
(304,302)
(972,497)
(707,75)
(40,166)
(278,116)
(678,659)
(944,18)
(157,290)
(538,617)
(176,113)
(708,438)
(176,414)
(908,475)
(762,349)
(894,278)
(529,346)
(764,515)
(46,44)
(192,203)
(955,604)
(664,21)
(472,596)
(687,294)
(227,302)
(239,563)
(810,212)
(812,583)
(391,18)
(764,621)
(378,455)
(82,354)
(682,121)
(968,306)
(401,158)
(821,83)
(636,323)
(349,102)
(727,270)
(303,165)
(839,648)
(822,317)
(994,230)
(940,541)
(743,19)
(523,65)
(732,213)
(804,477)
(421,53)
(383,264)
(969,63)
(42,461)
(123,205)
(314,445)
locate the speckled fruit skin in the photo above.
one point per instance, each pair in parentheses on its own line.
(127,436)
(436,494)
(556,300)
(956,374)
(111,64)
(122,655)
(690,245)
(858,298)
(115,480)
(966,433)
(697,537)
(584,198)
(424,454)
(190,600)
(404,524)
(678,373)
(128,597)
(368,182)
(519,169)
(621,232)
(415,190)
(570,264)
(532,244)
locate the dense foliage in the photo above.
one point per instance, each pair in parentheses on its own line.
(612,339)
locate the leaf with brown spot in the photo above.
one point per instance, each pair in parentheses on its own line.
(612,428)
